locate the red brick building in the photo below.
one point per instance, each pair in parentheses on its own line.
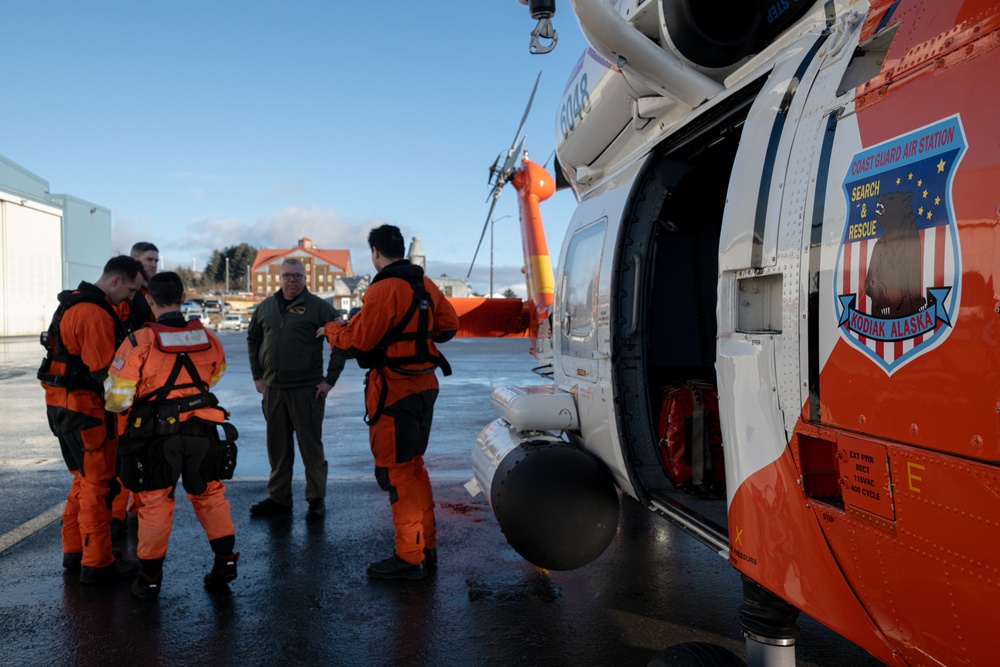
(322,267)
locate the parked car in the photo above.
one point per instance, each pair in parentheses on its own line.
(213,306)
(190,307)
(197,315)
(232,322)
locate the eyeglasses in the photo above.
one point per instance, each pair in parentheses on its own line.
(293,276)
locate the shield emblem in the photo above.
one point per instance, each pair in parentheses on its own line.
(898,271)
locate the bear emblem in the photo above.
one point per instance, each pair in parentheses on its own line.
(893,282)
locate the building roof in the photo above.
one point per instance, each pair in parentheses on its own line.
(339,258)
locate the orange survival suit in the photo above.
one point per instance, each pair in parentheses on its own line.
(394,335)
(161,376)
(135,313)
(81,342)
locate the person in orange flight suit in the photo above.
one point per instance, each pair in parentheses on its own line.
(81,342)
(135,313)
(161,375)
(394,334)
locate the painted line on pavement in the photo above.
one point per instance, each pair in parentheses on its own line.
(29,528)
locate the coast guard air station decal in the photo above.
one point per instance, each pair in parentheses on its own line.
(898,271)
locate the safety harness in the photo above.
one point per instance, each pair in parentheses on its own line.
(421,307)
(76,374)
(155,414)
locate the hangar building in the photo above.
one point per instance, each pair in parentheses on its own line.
(48,243)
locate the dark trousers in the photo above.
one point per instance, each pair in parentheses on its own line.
(289,411)
(398,441)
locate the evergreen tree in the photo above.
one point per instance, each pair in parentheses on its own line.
(509,293)
(241,258)
(187,277)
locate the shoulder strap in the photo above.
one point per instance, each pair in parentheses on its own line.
(70,298)
(76,375)
(181,361)
(423,307)
(203,399)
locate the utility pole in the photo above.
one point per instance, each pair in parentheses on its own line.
(227,275)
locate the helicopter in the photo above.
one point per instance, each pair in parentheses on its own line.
(775,320)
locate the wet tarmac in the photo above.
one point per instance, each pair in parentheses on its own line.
(302,596)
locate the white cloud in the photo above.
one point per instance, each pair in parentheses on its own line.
(280,229)
(125,232)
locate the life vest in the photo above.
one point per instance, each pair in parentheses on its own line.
(421,307)
(156,413)
(181,342)
(157,418)
(75,373)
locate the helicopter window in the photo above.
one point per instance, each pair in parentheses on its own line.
(580,292)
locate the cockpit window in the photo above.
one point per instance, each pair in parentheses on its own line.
(580,290)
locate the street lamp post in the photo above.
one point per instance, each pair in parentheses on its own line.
(492,220)
(227,275)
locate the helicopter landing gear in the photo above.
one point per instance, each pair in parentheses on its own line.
(769,627)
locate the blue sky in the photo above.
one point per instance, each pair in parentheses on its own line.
(203,125)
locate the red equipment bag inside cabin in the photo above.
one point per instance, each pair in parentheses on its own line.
(691,437)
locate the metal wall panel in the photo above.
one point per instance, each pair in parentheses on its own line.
(30,266)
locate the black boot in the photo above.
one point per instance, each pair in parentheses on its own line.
(223,571)
(317,509)
(268,507)
(431,560)
(145,587)
(395,567)
(120,569)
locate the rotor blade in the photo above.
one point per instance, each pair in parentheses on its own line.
(481,236)
(508,166)
(526,110)
(493,169)
(504,174)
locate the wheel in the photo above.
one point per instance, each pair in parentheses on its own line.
(696,654)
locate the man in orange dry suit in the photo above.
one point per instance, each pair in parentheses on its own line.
(161,374)
(403,316)
(135,313)
(81,342)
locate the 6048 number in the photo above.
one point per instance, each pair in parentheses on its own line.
(576,103)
